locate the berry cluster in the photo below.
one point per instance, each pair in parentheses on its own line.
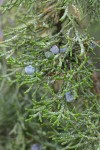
(49,54)
(54,50)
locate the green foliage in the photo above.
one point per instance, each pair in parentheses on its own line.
(15,132)
(38,100)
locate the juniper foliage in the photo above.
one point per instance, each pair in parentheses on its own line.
(56,123)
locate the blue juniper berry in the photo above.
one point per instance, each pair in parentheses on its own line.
(69,97)
(30,69)
(54,49)
(36,147)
